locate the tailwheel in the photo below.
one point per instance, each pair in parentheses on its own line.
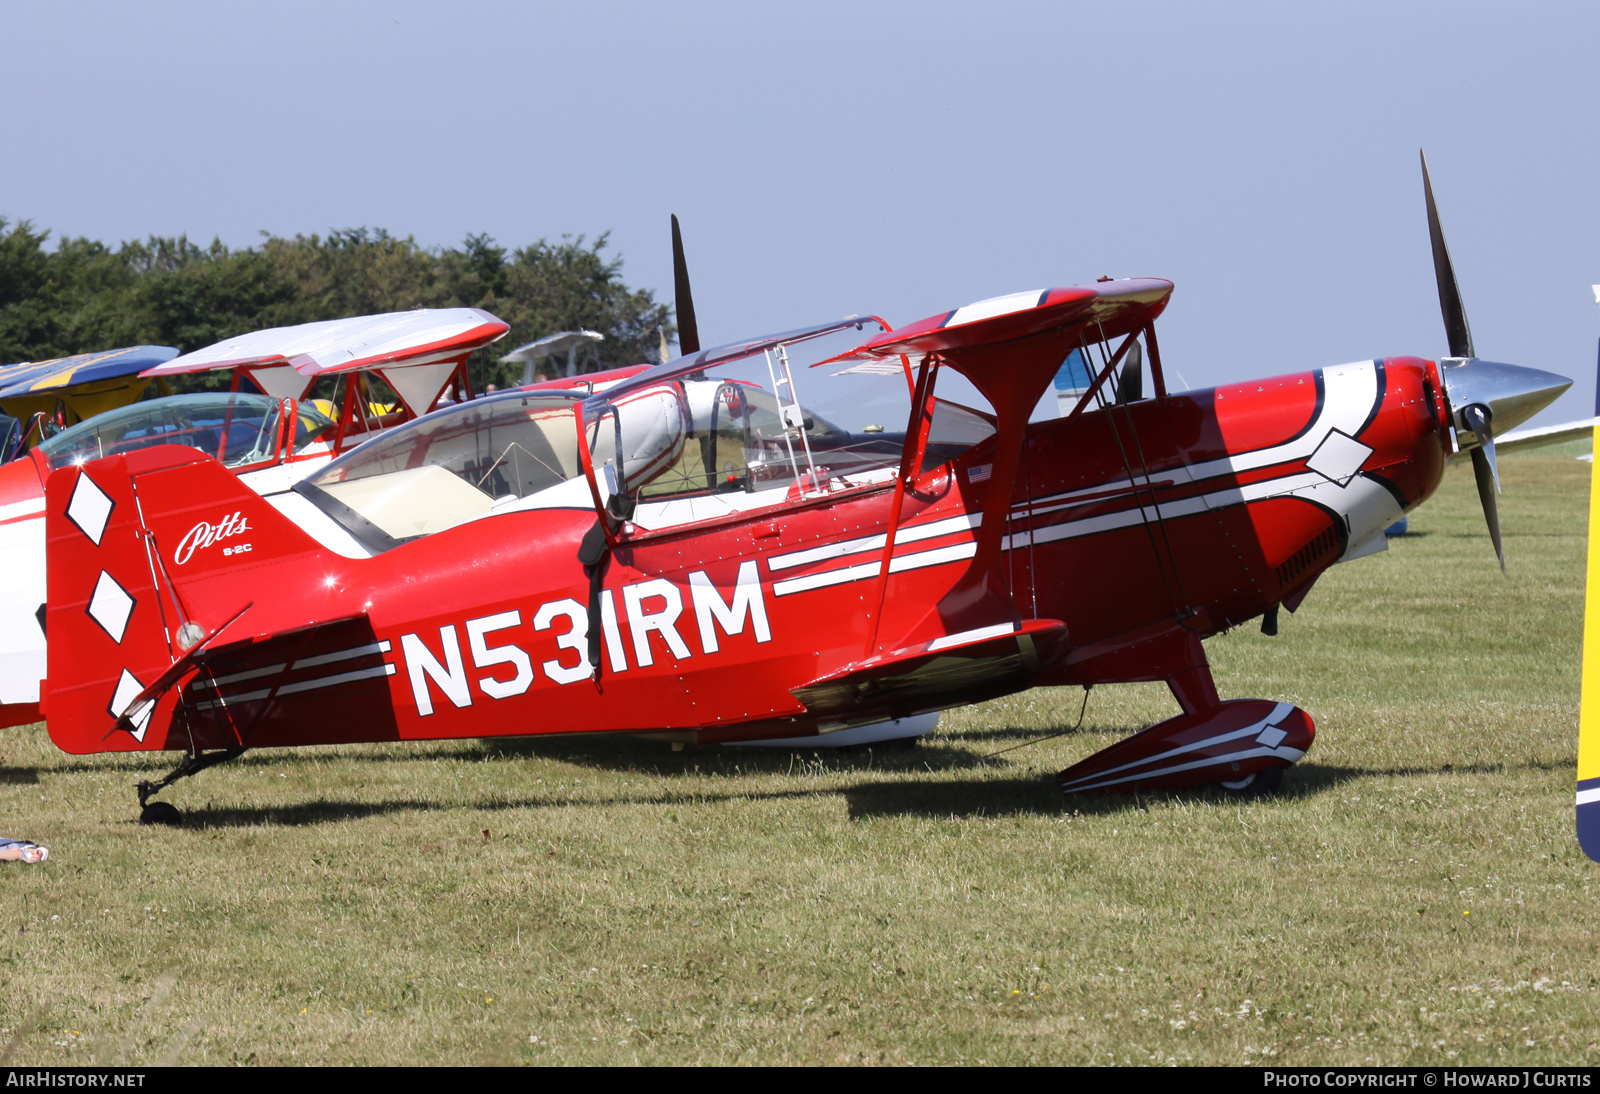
(193,763)
(161,813)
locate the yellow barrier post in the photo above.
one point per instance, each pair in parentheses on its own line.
(1588,805)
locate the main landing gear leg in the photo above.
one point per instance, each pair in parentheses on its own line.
(1196,693)
(1194,689)
(193,763)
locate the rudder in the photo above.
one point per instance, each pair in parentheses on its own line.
(147,554)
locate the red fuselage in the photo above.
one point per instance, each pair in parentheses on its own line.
(1141,527)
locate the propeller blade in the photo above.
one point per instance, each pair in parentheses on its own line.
(1483,471)
(1478,421)
(683,301)
(1455,313)
(1130,386)
(1494,468)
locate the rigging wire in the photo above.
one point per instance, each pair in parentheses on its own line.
(1178,596)
(1051,736)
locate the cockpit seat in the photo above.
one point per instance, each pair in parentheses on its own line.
(206,439)
(415,502)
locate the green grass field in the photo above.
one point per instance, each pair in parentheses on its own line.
(1414,895)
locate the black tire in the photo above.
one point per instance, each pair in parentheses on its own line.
(161,813)
(1262,783)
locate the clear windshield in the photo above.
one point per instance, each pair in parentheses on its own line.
(10,436)
(237,428)
(954,429)
(453,465)
(760,422)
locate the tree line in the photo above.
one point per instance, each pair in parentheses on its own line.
(82,295)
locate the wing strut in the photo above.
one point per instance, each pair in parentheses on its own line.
(1105,373)
(910,459)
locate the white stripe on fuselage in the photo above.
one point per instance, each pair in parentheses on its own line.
(913,533)
(1351,394)
(914,560)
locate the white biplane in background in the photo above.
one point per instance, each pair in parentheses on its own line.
(270,441)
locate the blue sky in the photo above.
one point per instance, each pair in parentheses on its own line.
(892,158)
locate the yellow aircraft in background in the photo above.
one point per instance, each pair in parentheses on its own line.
(45,396)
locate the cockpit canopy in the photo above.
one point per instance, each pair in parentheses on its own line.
(747,428)
(237,428)
(451,466)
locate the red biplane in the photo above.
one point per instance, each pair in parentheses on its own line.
(784,537)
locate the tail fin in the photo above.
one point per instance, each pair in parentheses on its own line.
(147,556)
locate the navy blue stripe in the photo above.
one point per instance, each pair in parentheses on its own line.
(1589,829)
(1377,402)
(1398,494)
(1316,411)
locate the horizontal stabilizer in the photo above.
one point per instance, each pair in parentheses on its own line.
(324,683)
(959,668)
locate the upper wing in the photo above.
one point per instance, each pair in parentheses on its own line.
(41,377)
(1111,308)
(339,345)
(284,361)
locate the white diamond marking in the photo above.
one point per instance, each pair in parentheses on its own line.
(128,688)
(110,606)
(1271,737)
(89,508)
(1338,457)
